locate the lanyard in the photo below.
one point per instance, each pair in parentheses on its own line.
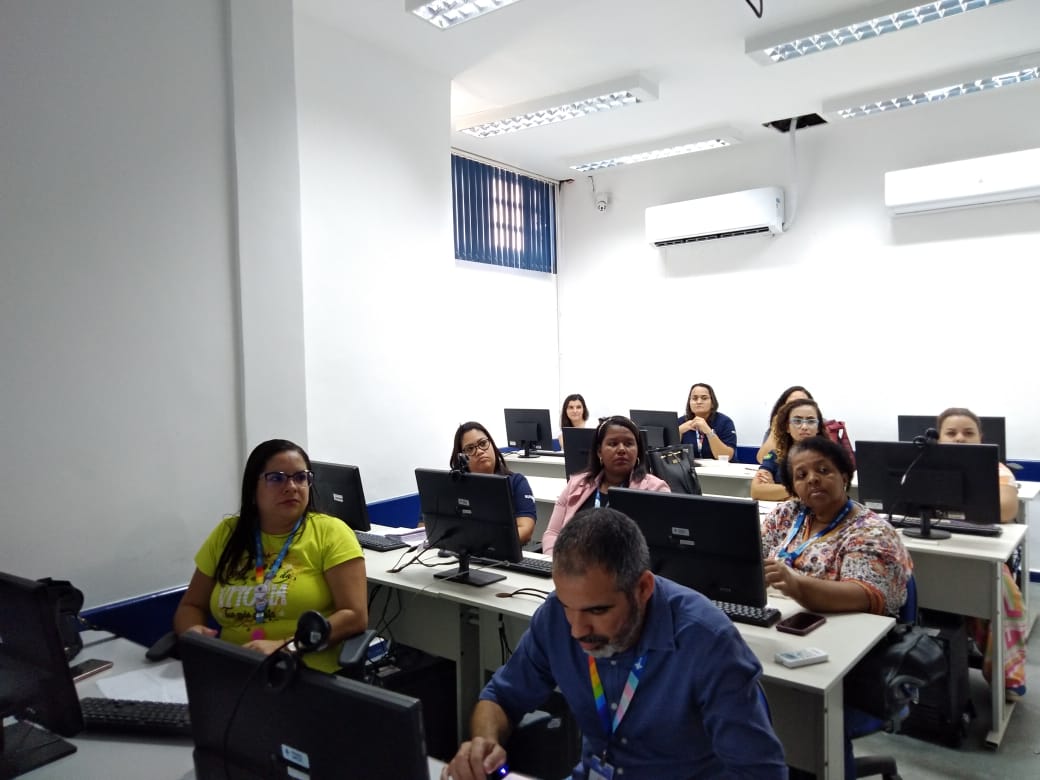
(626,694)
(263,580)
(597,503)
(791,555)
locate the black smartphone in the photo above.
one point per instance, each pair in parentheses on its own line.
(85,669)
(801,623)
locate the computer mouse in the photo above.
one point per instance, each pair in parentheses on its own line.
(165,647)
(445,554)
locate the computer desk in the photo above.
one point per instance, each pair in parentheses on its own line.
(104,756)
(460,622)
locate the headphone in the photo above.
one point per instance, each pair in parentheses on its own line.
(312,635)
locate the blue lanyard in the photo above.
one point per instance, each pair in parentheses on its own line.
(600,696)
(263,580)
(790,556)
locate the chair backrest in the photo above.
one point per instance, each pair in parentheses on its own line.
(908,612)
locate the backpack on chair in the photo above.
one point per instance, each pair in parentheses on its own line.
(838,434)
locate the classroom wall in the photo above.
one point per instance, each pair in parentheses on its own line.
(403,342)
(876,316)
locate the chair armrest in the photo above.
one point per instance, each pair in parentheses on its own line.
(354,652)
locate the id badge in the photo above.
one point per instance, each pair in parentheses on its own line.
(600,769)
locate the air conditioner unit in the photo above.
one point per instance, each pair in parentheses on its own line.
(981,181)
(720,216)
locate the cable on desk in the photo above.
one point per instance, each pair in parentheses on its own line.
(536,592)
(503,640)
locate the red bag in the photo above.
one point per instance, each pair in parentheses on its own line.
(837,433)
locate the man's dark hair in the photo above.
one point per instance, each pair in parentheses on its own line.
(602,537)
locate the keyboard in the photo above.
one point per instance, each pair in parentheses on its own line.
(145,718)
(537,566)
(754,616)
(953,526)
(378,542)
(549,453)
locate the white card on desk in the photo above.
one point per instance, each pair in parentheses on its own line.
(792,659)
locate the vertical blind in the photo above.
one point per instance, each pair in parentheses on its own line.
(502,217)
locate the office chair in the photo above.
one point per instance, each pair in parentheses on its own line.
(868,766)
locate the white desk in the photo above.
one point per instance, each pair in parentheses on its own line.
(542,466)
(460,622)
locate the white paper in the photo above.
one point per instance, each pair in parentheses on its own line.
(162,682)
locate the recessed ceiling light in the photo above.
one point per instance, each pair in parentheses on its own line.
(448,13)
(834,31)
(661,150)
(558,108)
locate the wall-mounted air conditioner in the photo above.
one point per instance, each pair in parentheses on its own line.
(981,181)
(720,216)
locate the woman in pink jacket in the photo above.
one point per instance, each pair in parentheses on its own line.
(617,459)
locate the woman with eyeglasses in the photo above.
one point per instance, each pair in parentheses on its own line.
(481,456)
(796,421)
(710,432)
(277,558)
(793,393)
(617,458)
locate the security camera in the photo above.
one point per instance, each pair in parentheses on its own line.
(602,201)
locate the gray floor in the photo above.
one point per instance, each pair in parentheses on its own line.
(1018,755)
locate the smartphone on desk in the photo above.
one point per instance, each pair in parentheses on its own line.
(88,668)
(801,623)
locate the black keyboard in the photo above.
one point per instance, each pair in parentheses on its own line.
(378,542)
(755,616)
(536,566)
(146,718)
(953,526)
(549,453)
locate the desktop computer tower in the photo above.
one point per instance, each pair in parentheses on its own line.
(944,709)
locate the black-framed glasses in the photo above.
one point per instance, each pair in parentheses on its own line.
(278,478)
(471,449)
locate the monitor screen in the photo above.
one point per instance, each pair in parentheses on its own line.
(318,725)
(662,428)
(994,430)
(708,543)
(472,516)
(338,492)
(35,682)
(576,445)
(959,480)
(528,429)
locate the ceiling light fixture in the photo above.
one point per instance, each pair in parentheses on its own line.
(834,31)
(449,13)
(663,149)
(981,78)
(558,108)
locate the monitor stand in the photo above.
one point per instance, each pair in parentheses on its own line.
(23,747)
(467,576)
(528,450)
(926,531)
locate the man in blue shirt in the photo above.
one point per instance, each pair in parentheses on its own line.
(660,682)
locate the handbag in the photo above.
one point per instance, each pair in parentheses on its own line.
(887,678)
(673,465)
(67,601)
(838,434)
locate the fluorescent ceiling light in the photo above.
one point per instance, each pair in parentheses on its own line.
(448,13)
(981,78)
(558,108)
(662,149)
(834,31)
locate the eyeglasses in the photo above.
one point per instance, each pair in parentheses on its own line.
(804,422)
(278,478)
(481,445)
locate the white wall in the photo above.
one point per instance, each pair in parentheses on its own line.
(877,317)
(402,342)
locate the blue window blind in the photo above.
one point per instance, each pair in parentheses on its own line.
(502,217)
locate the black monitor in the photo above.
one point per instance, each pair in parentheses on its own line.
(316,725)
(577,442)
(959,480)
(710,544)
(528,429)
(472,516)
(994,430)
(662,428)
(36,685)
(338,492)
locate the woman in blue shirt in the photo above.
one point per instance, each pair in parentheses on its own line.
(711,433)
(473,441)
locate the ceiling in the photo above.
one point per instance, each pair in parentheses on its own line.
(694,50)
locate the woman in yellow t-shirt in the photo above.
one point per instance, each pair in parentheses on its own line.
(276,559)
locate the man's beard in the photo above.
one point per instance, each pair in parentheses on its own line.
(626,637)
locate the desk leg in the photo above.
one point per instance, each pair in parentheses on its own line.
(834,733)
(469,668)
(811,728)
(1001,712)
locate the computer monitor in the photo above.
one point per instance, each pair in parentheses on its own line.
(528,429)
(662,428)
(36,685)
(710,544)
(577,442)
(316,725)
(994,430)
(959,480)
(472,516)
(338,492)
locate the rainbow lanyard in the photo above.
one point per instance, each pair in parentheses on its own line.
(263,581)
(626,695)
(790,555)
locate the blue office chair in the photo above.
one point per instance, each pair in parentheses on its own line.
(859,724)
